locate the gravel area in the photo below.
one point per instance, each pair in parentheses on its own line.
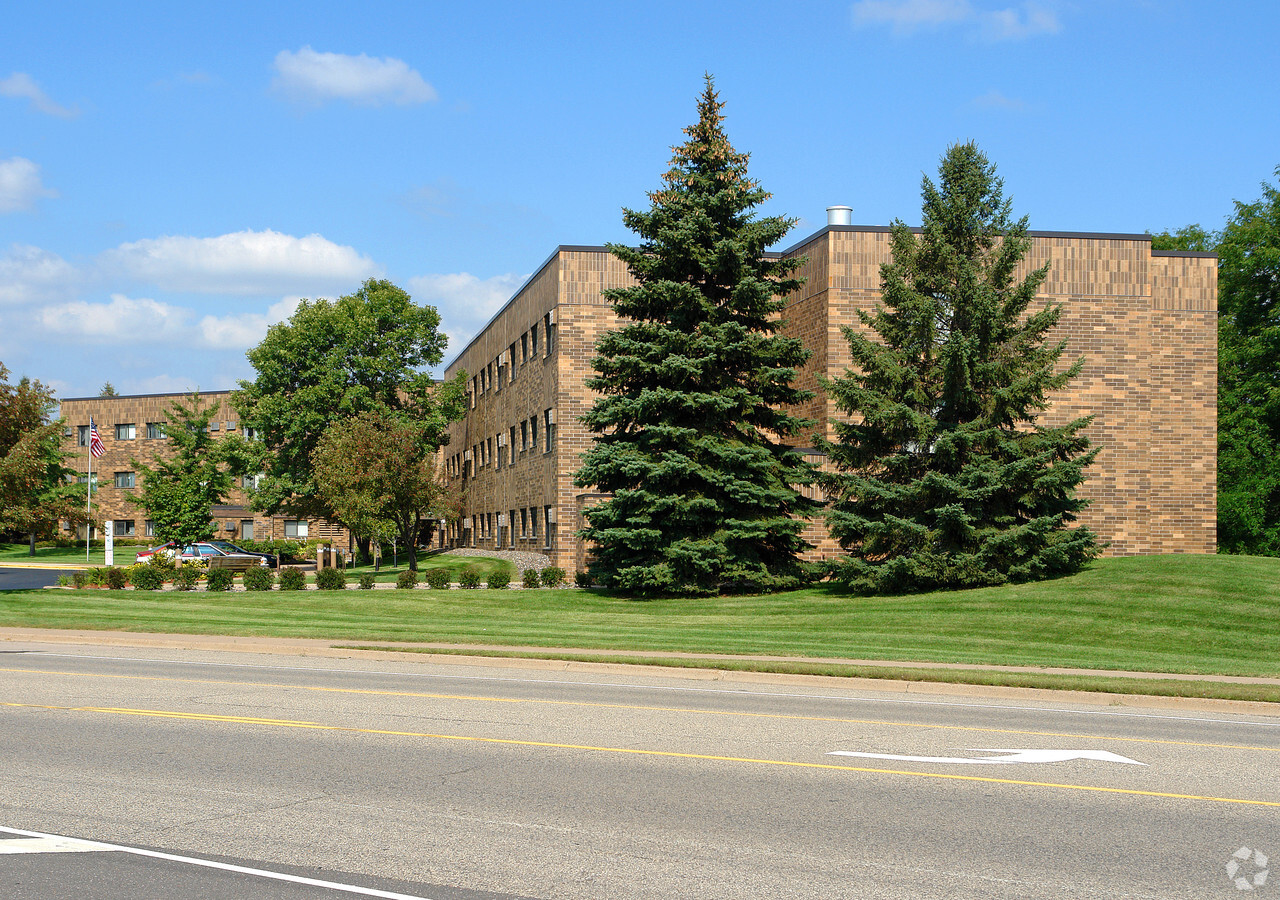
(521,559)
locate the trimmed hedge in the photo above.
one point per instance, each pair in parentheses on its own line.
(146,577)
(530,578)
(292,579)
(470,578)
(438,579)
(258,578)
(331,580)
(552,576)
(498,580)
(366,581)
(407,580)
(185,577)
(219,579)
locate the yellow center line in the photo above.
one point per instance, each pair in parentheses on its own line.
(645,708)
(670,754)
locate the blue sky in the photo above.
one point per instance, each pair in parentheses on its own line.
(173,177)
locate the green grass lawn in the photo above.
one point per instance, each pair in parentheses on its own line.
(1191,614)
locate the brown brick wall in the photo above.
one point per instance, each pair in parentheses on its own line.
(112,502)
(1144,324)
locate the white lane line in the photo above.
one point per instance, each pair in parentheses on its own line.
(51,845)
(677,689)
(225,867)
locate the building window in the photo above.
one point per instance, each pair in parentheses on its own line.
(549,328)
(513,445)
(549,428)
(533,340)
(524,522)
(295,529)
(533,432)
(149,528)
(533,521)
(511,359)
(246,529)
(213,426)
(524,436)
(124,528)
(124,479)
(82,438)
(66,431)
(524,347)
(251,482)
(126,432)
(231,426)
(155,430)
(549,535)
(83,479)
(251,434)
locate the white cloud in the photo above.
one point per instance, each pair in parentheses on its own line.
(22,86)
(1006,24)
(1015,25)
(123,319)
(905,16)
(29,274)
(315,77)
(20,184)
(993,99)
(243,330)
(244,262)
(466,303)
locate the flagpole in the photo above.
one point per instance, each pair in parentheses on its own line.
(88,495)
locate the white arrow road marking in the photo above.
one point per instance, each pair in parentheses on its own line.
(50,845)
(1010,756)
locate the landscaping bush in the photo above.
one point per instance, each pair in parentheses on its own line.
(331,580)
(258,578)
(96,576)
(79,578)
(583,579)
(145,577)
(498,580)
(366,581)
(407,580)
(292,579)
(552,576)
(115,578)
(530,578)
(470,578)
(219,579)
(185,577)
(438,579)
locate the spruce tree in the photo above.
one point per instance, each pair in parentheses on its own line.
(943,477)
(694,387)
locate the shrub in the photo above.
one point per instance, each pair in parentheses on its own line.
(96,576)
(64,581)
(220,579)
(366,581)
(185,576)
(292,579)
(438,579)
(583,579)
(79,578)
(407,580)
(470,578)
(530,578)
(145,577)
(331,580)
(552,576)
(163,563)
(499,580)
(115,578)
(258,578)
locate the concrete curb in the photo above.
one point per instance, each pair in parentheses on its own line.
(333,649)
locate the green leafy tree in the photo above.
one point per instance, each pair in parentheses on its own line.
(944,478)
(180,491)
(34,488)
(694,390)
(1249,377)
(375,469)
(364,352)
(108,390)
(1191,237)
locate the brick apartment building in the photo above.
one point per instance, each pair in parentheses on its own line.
(133,428)
(1145,322)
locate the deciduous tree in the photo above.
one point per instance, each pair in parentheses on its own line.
(34,488)
(694,389)
(179,491)
(377,468)
(945,478)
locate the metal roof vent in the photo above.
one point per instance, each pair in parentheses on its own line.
(839,215)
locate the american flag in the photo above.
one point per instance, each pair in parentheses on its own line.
(95,440)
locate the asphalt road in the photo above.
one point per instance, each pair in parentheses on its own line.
(455,781)
(18,579)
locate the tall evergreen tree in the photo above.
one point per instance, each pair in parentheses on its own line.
(943,477)
(694,388)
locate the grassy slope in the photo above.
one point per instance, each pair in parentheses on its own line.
(1205,614)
